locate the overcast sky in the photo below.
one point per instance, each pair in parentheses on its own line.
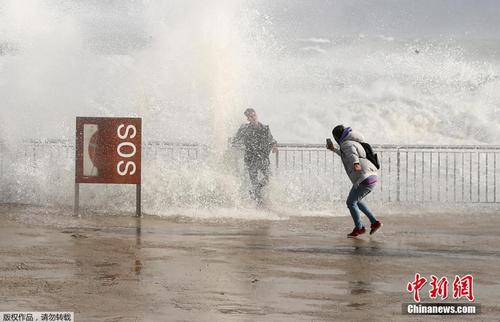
(125,24)
(477,19)
(128,22)
(289,20)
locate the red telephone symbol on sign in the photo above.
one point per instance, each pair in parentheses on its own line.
(93,145)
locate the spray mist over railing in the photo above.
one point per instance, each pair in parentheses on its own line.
(179,178)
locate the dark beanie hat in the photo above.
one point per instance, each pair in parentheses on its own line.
(337,132)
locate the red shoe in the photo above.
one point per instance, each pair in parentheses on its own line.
(375,227)
(356,232)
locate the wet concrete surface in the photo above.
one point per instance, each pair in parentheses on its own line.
(121,268)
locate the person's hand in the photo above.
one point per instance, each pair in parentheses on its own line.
(357,167)
(331,148)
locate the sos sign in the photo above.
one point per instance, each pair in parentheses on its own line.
(108,150)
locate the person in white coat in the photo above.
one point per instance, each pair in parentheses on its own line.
(361,172)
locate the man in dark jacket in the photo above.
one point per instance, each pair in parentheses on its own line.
(258,142)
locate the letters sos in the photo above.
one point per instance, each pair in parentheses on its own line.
(126,150)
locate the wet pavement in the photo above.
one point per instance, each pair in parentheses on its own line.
(121,268)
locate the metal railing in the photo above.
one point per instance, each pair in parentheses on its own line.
(416,173)
(408,174)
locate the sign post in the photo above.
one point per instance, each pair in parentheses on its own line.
(108,150)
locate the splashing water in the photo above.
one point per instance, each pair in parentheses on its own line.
(190,69)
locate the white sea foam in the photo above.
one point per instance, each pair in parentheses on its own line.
(190,69)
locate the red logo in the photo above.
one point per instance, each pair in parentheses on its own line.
(416,286)
(462,287)
(439,288)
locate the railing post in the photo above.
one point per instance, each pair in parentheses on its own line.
(76,205)
(138,208)
(495,177)
(398,175)
(478,176)
(2,154)
(277,159)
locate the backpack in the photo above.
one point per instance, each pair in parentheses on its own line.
(372,157)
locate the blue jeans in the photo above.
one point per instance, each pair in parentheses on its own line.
(355,204)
